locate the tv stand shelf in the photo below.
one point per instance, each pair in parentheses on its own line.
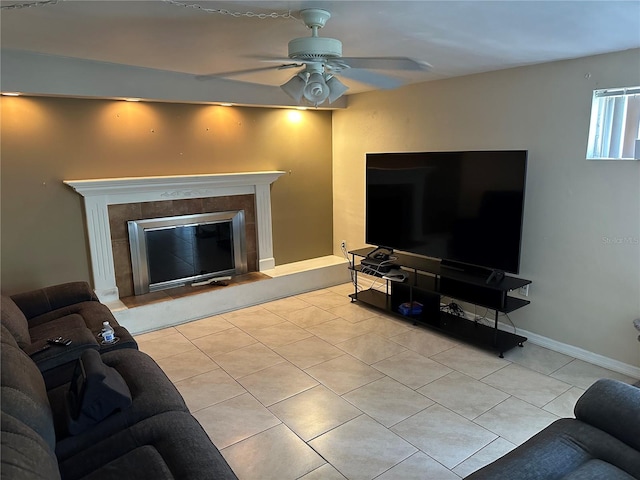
(427,281)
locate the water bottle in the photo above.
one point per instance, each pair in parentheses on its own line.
(108,335)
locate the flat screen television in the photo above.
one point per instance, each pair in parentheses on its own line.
(465,208)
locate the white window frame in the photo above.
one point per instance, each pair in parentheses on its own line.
(614,130)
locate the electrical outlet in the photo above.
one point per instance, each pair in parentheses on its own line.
(524,291)
(343,244)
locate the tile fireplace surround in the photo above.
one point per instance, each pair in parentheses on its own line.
(119,215)
(99,194)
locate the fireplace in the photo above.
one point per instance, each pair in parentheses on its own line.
(175,251)
(110,203)
(121,215)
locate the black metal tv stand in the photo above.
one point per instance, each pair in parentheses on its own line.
(427,281)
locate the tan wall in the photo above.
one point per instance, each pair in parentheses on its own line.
(48,140)
(585,288)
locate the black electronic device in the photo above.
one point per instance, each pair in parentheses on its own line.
(396,275)
(496,276)
(374,266)
(63,342)
(381,253)
(465,208)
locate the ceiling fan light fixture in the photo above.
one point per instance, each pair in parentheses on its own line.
(321,60)
(336,88)
(316,90)
(295,87)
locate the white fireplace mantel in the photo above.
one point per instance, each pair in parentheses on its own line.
(100,193)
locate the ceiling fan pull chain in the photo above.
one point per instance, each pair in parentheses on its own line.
(222,11)
(18,6)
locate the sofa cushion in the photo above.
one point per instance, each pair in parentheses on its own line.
(181,447)
(620,416)
(7,337)
(47,299)
(24,454)
(598,470)
(23,393)
(142,462)
(92,313)
(14,321)
(56,327)
(560,449)
(152,393)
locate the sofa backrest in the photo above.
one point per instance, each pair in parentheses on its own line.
(43,300)
(614,407)
(23,392)
(25,455)
(13,319)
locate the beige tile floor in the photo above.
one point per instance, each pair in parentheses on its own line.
(314,387)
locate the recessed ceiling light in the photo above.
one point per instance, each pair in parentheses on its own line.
(131,99)
(11,94)
(226,104)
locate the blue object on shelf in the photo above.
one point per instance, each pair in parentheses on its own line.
(410,308)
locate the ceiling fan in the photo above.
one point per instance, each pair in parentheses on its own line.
(320,60)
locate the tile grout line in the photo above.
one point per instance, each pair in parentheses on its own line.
(327,307)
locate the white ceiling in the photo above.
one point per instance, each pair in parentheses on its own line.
(455,37)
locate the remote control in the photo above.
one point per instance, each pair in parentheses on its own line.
(65,342)
(218,280)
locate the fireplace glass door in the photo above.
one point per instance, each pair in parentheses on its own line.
(173,251)
(188,251)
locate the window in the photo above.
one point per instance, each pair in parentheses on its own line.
(615,124)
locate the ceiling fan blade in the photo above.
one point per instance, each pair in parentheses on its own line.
(236,73)
(386,63)
(372,78)
(300,61)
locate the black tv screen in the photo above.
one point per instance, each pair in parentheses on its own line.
(462,207)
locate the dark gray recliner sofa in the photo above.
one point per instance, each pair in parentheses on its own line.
(153,437)
(70,310)
(602,442)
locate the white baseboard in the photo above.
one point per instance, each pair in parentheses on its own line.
(570,350)
(575,352)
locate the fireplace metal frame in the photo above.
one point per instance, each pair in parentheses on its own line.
(138,246)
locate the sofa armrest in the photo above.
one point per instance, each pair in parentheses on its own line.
(43,300)
(81,339)
(613,407)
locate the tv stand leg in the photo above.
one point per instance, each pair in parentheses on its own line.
(495,334)
(354,278)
